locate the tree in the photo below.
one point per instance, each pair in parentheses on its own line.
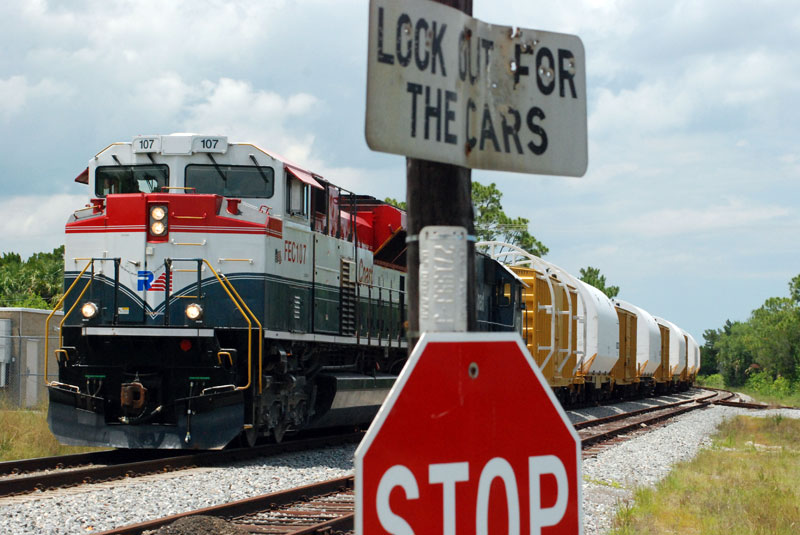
(768,341)
(776,341)
(591,275)
(34,283)
(492,223)
(708,353)
(735,353)
(394,202)
(794,289)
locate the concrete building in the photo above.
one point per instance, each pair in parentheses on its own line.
(22,332)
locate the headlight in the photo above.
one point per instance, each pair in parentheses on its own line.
(89,310)
(194,311)
(158,213)
(158,228)
(159,217)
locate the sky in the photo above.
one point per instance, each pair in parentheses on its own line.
(689,203)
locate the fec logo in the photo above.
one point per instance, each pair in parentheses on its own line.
(147,282)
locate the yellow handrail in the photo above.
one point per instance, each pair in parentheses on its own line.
(168,188)
(260,331)
(226,353)
(58,352)
(55,309)
(78,300)
(249,327)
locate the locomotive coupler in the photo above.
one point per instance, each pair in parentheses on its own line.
(132,396)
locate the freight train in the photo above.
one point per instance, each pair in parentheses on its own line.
(216,293)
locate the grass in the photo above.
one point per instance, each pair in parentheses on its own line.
(748,482)
(24,435)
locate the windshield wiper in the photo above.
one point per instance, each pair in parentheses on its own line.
(260,170)
(216,166)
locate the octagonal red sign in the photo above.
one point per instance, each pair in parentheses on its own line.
(470,440)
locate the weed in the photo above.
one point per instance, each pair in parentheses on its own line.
(602,482)
(24,434)
(746,484)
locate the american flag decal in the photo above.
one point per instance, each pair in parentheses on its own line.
(278,257)
(160,284)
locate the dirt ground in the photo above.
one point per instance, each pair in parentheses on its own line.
(199,525)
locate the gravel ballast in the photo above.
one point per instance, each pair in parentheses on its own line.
(609,478)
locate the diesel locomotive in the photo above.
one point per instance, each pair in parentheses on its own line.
(215,291)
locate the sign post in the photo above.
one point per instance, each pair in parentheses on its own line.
(470,440)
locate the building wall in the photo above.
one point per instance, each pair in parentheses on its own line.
(22,355)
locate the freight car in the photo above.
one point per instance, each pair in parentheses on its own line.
(589,347)
(215,290)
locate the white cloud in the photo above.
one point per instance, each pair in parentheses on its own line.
(164,95)
(735,213)
(16,92)
(32,224)
(235,108)
(13,93)
(650,107)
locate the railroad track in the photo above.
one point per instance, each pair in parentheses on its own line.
(117,464)
(318,508)
(744,404)
(328,507)
(596,434)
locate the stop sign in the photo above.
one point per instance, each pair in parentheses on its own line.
(469,440)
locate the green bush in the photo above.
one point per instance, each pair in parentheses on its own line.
(782,387)
(761,382)
(713,381)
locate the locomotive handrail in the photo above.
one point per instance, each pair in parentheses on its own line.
(223,280)
(239,304)
(260,332)
(55,309)
(167,188)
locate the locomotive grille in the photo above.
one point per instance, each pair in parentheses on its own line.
(347,309)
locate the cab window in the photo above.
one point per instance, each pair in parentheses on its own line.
(130,179)
(231,180)
(297,197)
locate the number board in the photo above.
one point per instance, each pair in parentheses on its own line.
(447,87)
(147,144)
(210,144)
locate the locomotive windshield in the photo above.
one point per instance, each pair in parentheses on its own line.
(231,180)
(130,179)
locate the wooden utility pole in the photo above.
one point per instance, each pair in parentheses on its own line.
(438,194)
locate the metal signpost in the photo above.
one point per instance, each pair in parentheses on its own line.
(469,413)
